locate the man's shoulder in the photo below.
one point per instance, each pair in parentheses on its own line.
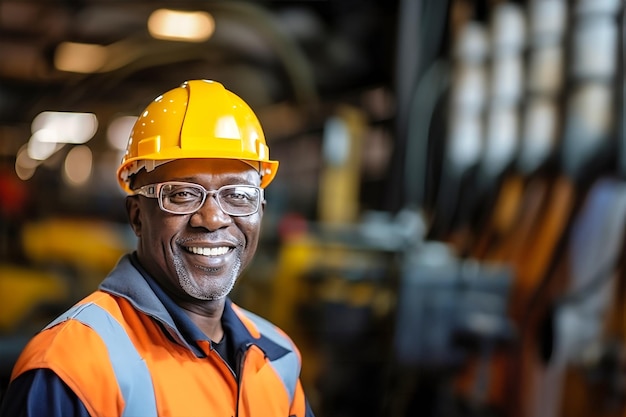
(60,340)
(63,327)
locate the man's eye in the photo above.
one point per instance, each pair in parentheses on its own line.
(239,193)
(237,196)
(184,194)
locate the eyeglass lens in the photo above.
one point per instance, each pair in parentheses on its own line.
(239,200)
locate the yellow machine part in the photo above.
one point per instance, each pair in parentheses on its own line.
(21,289)
(91,244)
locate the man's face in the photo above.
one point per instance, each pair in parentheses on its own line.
(197,255)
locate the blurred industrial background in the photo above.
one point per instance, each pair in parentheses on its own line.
(445,236)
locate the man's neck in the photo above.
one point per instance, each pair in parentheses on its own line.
(208,318)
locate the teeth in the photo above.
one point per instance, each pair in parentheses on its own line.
(208,251)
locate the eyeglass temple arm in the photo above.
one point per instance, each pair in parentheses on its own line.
(147,191)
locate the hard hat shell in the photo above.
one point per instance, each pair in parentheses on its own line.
(198,119)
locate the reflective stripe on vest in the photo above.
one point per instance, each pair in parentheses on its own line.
(130,369)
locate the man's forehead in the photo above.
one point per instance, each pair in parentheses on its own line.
(189,168)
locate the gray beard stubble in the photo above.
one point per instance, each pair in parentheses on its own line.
(205,292)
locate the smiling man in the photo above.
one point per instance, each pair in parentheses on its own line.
(160,335)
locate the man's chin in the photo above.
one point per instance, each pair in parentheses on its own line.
(207,286)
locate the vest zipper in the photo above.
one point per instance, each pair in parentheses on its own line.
(225,362)
(240,359)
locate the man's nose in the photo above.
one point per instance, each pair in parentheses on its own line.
(210,215)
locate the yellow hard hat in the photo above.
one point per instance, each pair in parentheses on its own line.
(199,119)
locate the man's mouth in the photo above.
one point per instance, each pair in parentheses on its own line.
(221,250)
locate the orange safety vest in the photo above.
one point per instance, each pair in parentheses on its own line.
(120,362)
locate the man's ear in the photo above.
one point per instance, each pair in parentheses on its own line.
(133,211)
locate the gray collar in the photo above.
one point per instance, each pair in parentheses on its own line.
(127,282)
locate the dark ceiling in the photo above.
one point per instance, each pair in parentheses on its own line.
(269,52)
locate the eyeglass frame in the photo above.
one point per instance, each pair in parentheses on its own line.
(158,186)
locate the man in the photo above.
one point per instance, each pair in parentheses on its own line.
(160,335)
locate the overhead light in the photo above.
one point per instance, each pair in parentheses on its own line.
(78,165)
(197,26)
(25,166)
(80,57)
(51,130)
(42,146)
(65,127)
